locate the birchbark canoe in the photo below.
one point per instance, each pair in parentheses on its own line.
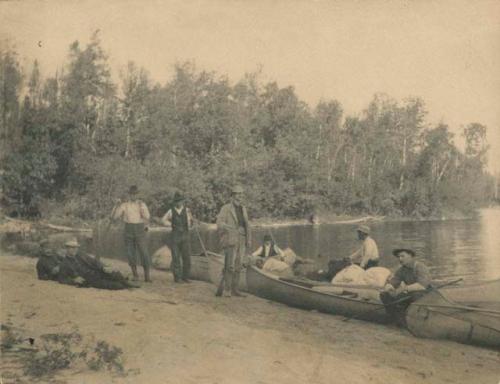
(209,268)
(436,316)
(271,287)
(475,294)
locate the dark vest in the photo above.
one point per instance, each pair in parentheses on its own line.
(239,215)
(272,251)
(180,221)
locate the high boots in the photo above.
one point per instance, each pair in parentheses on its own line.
(228,278)
(147,277)
(235,285)
(135,275)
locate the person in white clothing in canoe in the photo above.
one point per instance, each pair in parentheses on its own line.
(367,255)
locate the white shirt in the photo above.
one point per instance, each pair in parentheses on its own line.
(132,212)
(368,251)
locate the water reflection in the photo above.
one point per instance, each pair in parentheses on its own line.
(465,248)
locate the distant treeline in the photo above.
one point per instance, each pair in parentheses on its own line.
(73,143)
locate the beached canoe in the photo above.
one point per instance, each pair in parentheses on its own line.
(199,268)
(271,287)
(209,268)
(216,266)
(437,316)
(476,294)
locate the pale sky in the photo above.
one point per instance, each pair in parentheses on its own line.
(447,52)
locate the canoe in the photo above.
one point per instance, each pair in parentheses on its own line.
(437,316)
(268,286)
(216,266)
(210,269)
(474,294)
(199,268)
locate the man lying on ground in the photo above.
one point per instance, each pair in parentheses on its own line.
(80,269)
(47,266)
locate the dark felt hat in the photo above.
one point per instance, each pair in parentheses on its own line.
(397,251)
(178,198)
(133,190)
(267,238)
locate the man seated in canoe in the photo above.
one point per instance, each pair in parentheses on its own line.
(367,255)
(83,270)
(266,250)
(407,284)
(270,249)
(272,259)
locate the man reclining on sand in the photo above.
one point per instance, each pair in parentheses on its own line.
(79,269)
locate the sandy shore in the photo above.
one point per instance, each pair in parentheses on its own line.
(183,334)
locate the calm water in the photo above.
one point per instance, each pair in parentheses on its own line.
(464,248)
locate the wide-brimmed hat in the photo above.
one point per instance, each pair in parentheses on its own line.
(364,229)
(237,189)
(72,243)
(133,190)
(397,251)
(267,238)
(178,197)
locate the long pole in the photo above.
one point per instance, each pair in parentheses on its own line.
(201,241)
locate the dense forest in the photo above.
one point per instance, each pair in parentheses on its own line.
(72,143)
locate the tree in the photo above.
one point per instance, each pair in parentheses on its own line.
(10,88)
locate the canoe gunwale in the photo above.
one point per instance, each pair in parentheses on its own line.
(259,283)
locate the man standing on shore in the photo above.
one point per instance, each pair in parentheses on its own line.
(180,219)
(367,255)
(234,232)
(135,214)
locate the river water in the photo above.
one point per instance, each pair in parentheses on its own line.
(451,248)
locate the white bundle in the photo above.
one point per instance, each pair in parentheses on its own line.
(277,267)
(162,258)
(353,274)
(289,256)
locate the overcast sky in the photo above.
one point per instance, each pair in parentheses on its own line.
(447,52)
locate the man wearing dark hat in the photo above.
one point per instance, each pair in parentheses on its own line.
(135,214)
(367,255)
(234,236)
(180,219)
(47,266)
(267,249)
(409,281)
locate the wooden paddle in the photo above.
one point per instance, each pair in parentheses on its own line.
(201,242)
(403,299)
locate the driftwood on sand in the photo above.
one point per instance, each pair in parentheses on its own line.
(17,225)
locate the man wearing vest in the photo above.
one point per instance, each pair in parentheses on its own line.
(234,235)
(181,221)
(135,214)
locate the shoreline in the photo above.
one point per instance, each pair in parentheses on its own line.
(22,225)
(173,333)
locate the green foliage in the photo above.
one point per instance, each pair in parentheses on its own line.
(84,140)
(60,351)
(56,354)
(106,356)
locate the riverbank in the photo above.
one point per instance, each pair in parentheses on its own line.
(183,334)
